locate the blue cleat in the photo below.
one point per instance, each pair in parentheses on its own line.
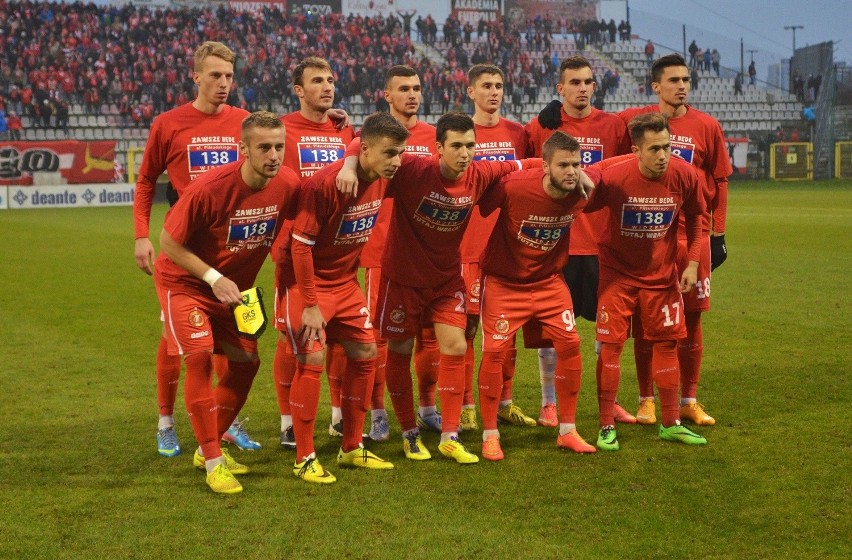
(167,442)
(237,435)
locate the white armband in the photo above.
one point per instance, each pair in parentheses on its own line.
(211,276)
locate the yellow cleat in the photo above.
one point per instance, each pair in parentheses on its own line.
(414,448)
(512,414)
(361,458)
(230,463)
(647,413)
(222,481)
(453,449)
(694,413)
(310,470)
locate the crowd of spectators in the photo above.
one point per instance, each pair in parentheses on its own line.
(138,60)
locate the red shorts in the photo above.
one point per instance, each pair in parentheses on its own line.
(658,312)
(470,273)
(698,298)
(195,322)
(372,281)
(403,309)
(507,305)
(343,308)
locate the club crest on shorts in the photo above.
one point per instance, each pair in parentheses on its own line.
(501,326)
(196,319)
(397,316)
(603,316)
(474,289)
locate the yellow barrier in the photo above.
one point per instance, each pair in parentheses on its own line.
(791,161)
(843,160)
(131,163)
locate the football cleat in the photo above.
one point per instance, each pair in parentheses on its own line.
(222,481)
(607,439)
(491,449)
(414,448)
(380,431)
(681,434)
(467,421)
(288,438)
(453,449)
(621,415)
(230,463)
(237,435)
(310,470)
(694,412)
(547,416)
(575,443)
(167,442)
(336,430)
(512,414)
(430,422)
(361,458)
(647,413)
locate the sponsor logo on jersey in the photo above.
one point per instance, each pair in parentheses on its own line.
(443,215)
(200,334)
(591,154)
(205,155)
(646,220)
(683,147)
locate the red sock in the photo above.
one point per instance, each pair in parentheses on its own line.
(450,380)
(220,365)
(401,388)
(567,379)
(200,403)
(689,352)
(642,352)
(426,360)
(283,370)
(490,385)
(232,391)
(377,396)
(666,376)
(469,360)
(168,377)
(509,361)
(304,399)
(357,379)
(335,365)
(610,377)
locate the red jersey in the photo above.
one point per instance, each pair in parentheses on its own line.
(697,138)
(310,146)
(429,217)
(601,135)
(185,142)
(421,142)
(530,239)
(229,225)
(334,225)
(640,244)
(504,141)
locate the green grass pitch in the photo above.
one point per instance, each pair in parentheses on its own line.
(81,477)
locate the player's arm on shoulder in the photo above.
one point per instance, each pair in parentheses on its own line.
(340,118)
(223,288)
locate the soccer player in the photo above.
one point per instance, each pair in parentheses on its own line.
(497,139)
(403,92)
(697,138)
(645,194)
(313,141)
(320,299)
(421,279)
(187,141)
(214,242)
(522,283)
(601,135)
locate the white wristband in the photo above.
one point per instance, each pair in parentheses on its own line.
(211,276)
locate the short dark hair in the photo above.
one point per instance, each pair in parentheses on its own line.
(664,62)
(574,63)
(653,122)
(259,119)
(559,141)
(383,125)
(400,70)
(310,62)
(478,70)
(455,121)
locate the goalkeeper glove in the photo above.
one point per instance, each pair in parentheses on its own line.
(551,116)
(718,251)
